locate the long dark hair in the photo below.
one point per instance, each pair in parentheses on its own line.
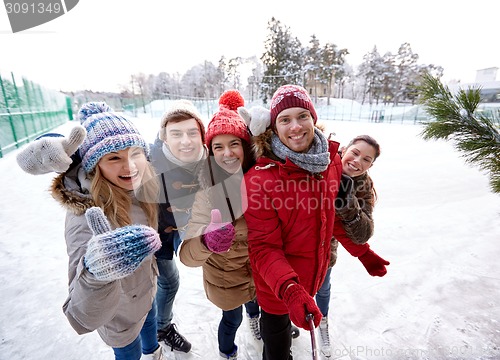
(369,140)
(218,175)
(248,160)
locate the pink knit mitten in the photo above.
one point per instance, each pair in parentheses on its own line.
(218,236)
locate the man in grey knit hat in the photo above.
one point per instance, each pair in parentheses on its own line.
(176,156)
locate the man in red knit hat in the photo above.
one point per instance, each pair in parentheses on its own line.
(291,193)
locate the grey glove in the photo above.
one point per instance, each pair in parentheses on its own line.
(49,153)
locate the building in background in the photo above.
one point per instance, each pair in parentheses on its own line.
(487,81)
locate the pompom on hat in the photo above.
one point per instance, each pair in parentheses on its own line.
(289,96)
(227,120)
(92,108)
(107,132)
(178,109)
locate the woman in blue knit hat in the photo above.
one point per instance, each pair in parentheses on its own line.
(176,155)
(111,236)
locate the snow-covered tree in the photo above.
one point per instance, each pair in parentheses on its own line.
(234,73)
(211,80)
(283,59)
(370,71)
(8,97)
(331,69)
(387,78)
(411,92)
(162,88)
(254,78)
(140,86)
(313,64)
(193,83)
(406,72)
(222,74)
(336,67)
(456,119)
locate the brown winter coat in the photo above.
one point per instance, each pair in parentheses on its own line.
(227,277)
(117,309)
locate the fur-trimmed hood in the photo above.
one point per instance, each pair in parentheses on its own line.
(66,190)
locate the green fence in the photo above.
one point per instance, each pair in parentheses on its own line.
(28,110)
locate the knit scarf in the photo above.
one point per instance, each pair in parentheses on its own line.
(191,167)
(315,160)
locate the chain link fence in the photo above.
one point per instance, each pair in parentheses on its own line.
(28,110)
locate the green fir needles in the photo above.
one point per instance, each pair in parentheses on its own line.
(456,118)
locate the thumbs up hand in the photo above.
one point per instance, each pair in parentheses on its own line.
(115,254)
(51,152)
(218,236)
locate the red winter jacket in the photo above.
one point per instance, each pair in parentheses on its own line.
(290,219)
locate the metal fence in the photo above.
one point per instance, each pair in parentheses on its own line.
(337,109)
(28,110)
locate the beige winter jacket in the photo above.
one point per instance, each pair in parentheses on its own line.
(227,277)
(117,309)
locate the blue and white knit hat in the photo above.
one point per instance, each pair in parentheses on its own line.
(107,132)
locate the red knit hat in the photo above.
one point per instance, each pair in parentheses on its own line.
(289,96)
(227,120)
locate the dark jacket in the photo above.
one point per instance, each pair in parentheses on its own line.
(178,188)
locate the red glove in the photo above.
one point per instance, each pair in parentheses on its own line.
(218,236)
(299,304)
(373,263)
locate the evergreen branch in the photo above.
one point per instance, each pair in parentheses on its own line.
(456,118)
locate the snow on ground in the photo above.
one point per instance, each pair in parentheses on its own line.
(436,221)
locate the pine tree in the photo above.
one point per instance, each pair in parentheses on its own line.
(456,118)
(283,59)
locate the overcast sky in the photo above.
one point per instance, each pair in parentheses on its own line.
(99,44)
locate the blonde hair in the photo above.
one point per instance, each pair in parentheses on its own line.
(116,202)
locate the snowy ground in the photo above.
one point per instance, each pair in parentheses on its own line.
(436,221)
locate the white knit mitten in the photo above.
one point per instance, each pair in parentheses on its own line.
(257,118)
(52,152)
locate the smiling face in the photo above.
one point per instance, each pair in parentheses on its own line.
(295,128)
(184,140)
(124,168)
(358,158)
(228,152)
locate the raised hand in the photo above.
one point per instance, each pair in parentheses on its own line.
(51,152)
